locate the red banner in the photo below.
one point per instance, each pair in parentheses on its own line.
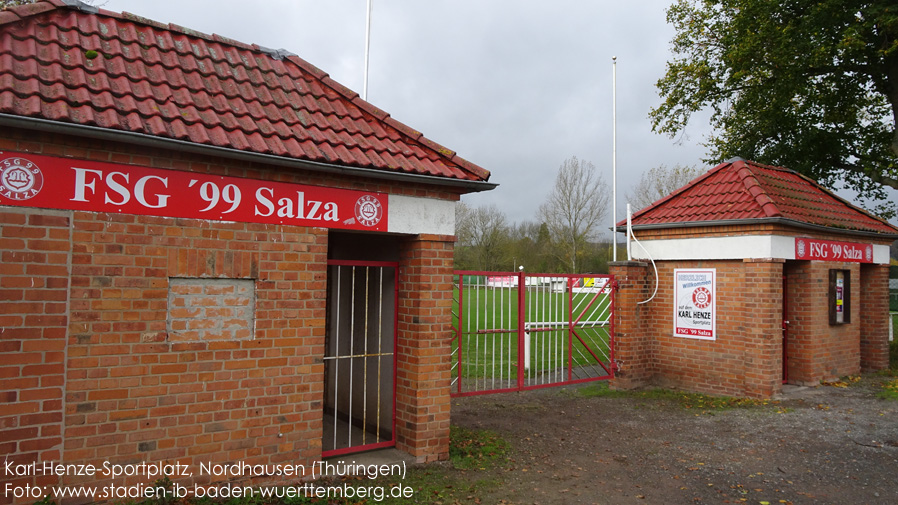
(831,250)
(30,180)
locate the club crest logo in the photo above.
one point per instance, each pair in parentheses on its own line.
(368,210)
(869,253)
(20,179)
(701,298)
(800,248)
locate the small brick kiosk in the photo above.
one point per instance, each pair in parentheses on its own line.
(763,278)
(211,252)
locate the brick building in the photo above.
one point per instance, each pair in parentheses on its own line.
(763,278)
(211,252)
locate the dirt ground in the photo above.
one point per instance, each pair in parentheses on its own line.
(826,445)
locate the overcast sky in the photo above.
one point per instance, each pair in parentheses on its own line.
(513,86)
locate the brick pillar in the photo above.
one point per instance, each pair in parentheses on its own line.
(423,347)
(762,320)
(34,286)
(633,348)
(874,320)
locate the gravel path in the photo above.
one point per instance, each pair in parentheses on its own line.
(825,445)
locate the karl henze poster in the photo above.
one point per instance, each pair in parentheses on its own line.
(695,307)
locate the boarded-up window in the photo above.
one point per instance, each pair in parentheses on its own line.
(210,309)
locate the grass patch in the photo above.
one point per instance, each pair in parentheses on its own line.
(479,449)
(697,401)
(600,389)
(889,390)
(892,371)
(890,387)
(469,450)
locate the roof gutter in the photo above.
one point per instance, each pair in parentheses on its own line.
(143,139)
(767,220)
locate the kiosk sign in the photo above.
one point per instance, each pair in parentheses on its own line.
(695,307)
(831,250)
(31,180)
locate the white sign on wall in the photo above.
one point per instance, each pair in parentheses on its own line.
(695,307)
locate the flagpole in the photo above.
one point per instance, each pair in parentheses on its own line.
(614,157)
(367,46)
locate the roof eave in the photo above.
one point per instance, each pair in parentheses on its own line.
(95,132)
(766,220)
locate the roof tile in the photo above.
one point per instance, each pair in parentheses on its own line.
(170,81)
(32,9)
(343,90)
(229,42)
(276,146)
(140,20)
(305,67)
(370,108)
(8,16)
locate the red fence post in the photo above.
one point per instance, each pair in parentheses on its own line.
(522,287)
(570,327)
(458,335)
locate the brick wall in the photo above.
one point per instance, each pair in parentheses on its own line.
(759,313)
(744,358)
(89,371)
(34,295)
(817,350)
(423,347)
(135,393)
(873,305)
(634,346)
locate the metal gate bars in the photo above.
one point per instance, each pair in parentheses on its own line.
(515,331)
(359,361)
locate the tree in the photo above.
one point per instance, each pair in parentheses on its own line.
(659,182)
(482,235)
(12,3)
(812,86)
(574,210)
(463,233)
(531,246)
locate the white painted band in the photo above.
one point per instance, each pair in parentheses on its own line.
(408,214)
(730,248)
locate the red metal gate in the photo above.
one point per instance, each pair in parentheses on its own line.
(516,331)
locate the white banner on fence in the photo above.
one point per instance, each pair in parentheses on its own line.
(592,285)
(695,307)
(502,281)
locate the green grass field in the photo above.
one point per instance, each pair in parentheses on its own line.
(489,336)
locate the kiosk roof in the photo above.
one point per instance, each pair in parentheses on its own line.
(65,62)
(746,191)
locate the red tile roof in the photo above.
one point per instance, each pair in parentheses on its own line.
(122,72)
(745,191)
